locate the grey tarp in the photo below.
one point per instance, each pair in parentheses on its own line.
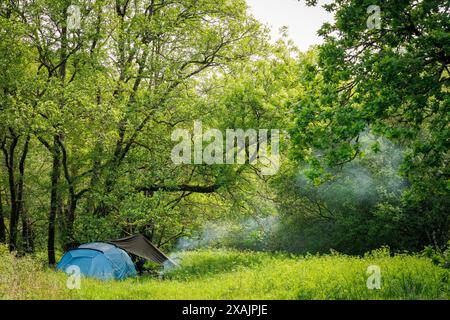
(140,246)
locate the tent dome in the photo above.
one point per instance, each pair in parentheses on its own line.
(99,260)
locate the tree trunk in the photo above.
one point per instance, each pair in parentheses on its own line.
(2,222)
(69,213)
(54,200)
(70,219)
(69,239)
(9,163)
(55,197)
(26,237)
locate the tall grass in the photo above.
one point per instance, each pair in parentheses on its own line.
(229,274)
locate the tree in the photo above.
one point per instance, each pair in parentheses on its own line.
(100,103)
(2,221)
(14,135)
(392,80)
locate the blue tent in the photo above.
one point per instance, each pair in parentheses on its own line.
(99,260)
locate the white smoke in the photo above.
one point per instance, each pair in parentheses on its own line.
(218,233)
(358,182)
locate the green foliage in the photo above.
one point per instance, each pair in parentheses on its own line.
(26,278)
(86,118)
(356,209)
(100,104)
(393,82)
(439,257)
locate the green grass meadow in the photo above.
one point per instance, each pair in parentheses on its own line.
(229,274)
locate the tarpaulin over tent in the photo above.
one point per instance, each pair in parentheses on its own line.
(140,246)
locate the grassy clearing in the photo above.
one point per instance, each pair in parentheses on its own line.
(242,275)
